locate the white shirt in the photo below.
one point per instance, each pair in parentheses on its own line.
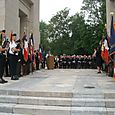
(11,46)
(106,44)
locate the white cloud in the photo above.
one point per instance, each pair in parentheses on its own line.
(48,8)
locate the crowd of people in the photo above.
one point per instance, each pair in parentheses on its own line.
(18,57)
(75,62)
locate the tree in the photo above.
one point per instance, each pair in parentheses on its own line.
(79,31)
(78,34)
(95,13)
(59,32)
(44,35)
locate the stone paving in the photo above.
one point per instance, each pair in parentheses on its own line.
(59,80)
(59,92)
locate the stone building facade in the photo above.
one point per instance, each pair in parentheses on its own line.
(19,16)
(110,7)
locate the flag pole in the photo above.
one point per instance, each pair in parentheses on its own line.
(112,13)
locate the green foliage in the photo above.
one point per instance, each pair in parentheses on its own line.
(78,34)
(79,38)
(95,13)
(44,35)
(59,32)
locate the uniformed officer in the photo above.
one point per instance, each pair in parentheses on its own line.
(20,57)
(64,62)
(73,62)
(2,56)
(13,58)
(56,62)
(60,62)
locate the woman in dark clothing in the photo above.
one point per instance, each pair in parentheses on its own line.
(99,59)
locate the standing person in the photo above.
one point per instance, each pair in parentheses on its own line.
(99,59)
(37,60)
(94,59)
(20,57)
(7,72)
(56,62)
(31,51)
(13,58)
(2,56)
(43,60)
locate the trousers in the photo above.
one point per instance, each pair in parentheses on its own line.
(13,60)
(2,65)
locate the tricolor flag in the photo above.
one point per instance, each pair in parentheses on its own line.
(105,50)
(25,50)
(31,47)
(11,35)
(112,37)
(40,53)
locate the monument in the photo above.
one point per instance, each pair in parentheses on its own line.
(110,7)
(19,16)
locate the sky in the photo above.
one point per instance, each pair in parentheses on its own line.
(48,8)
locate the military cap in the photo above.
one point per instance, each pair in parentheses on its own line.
(14,34)
(4,31)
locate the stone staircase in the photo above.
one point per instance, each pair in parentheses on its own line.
(14,102)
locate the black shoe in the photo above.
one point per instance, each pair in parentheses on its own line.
(20,75)
(4,80)
(99,72)
(14,78)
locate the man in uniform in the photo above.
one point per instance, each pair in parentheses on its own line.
(37,60)
(2,55)
(20,57)
(13,57)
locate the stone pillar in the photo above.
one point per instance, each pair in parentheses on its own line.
(23,26)
(36,23)
(11,16)
(110,7)
(17,14)
(2,14)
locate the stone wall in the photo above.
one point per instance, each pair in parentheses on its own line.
(110,7)
(19,16)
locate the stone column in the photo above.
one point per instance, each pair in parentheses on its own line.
(11,16)
(36,23)
(110,7)
(2,14)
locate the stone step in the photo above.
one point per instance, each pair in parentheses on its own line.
(109,95)
(101,96)
(37,93)
(54,110)
(54,101)
(35,100)
(89,111)
(11,114)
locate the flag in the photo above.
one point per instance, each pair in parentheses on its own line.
(40,54)
(112,37)
(10,36)
(26,50)
(105,50)
(31,47)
